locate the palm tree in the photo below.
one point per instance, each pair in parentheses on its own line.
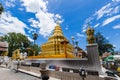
(35,36)
(1,9)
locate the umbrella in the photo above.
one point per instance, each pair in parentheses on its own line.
(109,58)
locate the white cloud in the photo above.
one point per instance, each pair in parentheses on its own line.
(116,10)
(80,35)
(114,45)
(46,21)
(96,25)
(30,39)
(8,23)
(46,24)
(104,10)
(10,3)
(67,27)
(116,27)
(35,5)
(21,9)
(110,9)
(34,22)
(109,20)
(116,0)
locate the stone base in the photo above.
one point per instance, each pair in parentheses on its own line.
(52,56)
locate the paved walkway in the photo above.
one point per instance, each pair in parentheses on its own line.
(7,74)
(35,74)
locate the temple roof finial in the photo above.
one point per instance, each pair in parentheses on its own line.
(58,22)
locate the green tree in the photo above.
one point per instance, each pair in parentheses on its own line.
(109,48)
(16,41)
(1,9)
(103,44)
(35,36)
(34,49)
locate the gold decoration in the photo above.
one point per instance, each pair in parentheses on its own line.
(90,35)
(16,54)
(5,53)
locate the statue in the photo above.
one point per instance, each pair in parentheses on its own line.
(16,54)
(90,35)
(5,53)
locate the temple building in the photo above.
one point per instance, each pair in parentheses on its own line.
(57,45)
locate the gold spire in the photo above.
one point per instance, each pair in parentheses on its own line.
(57,30)
(54,47)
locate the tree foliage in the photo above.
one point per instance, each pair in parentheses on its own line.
(15,41)
(103,44)
(1,9)
(35,36)
(34,50)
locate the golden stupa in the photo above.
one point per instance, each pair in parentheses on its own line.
(57,46)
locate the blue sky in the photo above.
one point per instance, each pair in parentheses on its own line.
(28,16)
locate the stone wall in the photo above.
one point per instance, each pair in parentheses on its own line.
(62,74)
(71,76)
(32,69)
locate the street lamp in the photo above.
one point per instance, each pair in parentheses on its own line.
(76,48)
(73,40)
(75,45)
(82,73)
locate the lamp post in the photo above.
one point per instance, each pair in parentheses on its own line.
(75,45)
(73,42)
(65,42)
(76,48)
(82,73)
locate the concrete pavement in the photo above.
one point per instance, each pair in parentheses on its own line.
(7,74)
